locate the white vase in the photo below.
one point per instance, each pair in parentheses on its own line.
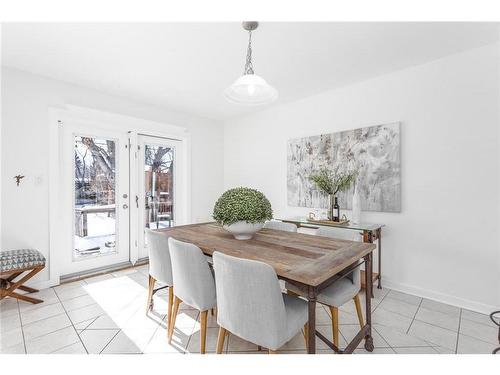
(241,230)
(356,206)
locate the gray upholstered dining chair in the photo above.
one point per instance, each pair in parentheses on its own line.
(250,304)
(343,290)
(160,269)
(194,284)
(279,225)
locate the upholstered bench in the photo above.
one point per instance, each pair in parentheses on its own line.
(13,263)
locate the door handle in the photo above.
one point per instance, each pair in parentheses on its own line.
(125,206)
(137,201)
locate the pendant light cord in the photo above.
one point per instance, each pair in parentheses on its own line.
(248,64)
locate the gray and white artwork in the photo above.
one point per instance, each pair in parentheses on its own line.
(373,151)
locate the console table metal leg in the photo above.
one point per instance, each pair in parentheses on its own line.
(368,238)
(368,312)
(379,236)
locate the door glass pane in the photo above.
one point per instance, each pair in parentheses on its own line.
(95,197)
(159,186)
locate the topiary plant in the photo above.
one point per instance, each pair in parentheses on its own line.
(242,204)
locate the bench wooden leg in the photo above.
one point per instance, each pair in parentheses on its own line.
(9,291)
(13,276)
(25,298)
(28,289)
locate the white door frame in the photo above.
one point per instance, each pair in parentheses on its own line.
(113,121)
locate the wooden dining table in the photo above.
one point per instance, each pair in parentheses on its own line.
(311,263)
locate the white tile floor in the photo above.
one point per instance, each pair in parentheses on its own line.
(106,314)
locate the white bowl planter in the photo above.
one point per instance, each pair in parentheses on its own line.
(242,230)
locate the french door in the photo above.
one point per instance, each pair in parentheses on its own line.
(160,186)
(114,185)
(95,194)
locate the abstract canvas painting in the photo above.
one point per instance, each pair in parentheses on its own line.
(373,151)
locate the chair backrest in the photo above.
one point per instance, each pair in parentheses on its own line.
(343,234)
(249,299)
(160,266)
(279,225)
(194,283)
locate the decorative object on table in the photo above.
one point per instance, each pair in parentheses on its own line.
(330,183)
(18,179)
(343,221)
(242,211)
(250,89)
(356,205)
(373,151)
(336,209)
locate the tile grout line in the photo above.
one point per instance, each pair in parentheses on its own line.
(88,325)
(382,300)
(72,324)
(434,325)
(22,329)
(156,330)
(64,347)
(418,320)
(109,342)
(383,338)
(476,338)
(191,334)
(414,315)
(458,332)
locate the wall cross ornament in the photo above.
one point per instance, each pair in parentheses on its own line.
(18,179)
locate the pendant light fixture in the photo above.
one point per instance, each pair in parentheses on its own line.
(250,89)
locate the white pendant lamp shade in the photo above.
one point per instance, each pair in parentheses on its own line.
(252,90)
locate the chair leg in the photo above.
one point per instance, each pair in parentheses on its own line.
(151,286)
(306,334)
(259,348)
(170,304)
(220,340)
(272,351)
(177,302)
(335,325)
(359,310)
(203,331)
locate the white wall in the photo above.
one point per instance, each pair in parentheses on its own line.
(26,99)
(444,244)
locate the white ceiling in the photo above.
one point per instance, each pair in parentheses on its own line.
(186,66)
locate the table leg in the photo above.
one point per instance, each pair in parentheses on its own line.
(311,334)
(379,237)
(368,302)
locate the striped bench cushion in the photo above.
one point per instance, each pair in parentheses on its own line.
(13,260)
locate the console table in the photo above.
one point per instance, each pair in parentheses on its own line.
(371,233)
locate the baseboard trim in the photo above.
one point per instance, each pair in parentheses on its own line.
(440,297)
(44,284)
(95,272)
